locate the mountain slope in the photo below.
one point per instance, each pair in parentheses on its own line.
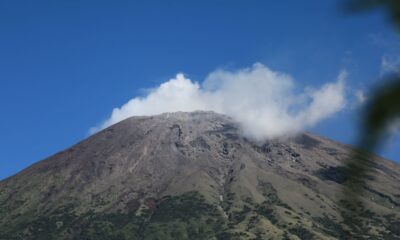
(193,176)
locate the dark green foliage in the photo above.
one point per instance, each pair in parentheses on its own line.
(239,216)
(382,108)
(394,228)
(384,197)
(284,205)
(100,230)
(331,227)
(301,232)
(267,212)
(268,191)
(42,227)
(190,205)
(187,216)
(252,222)
(335,174)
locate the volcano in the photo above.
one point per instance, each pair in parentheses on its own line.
(194,176)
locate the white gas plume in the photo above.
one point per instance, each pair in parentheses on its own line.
(264,102)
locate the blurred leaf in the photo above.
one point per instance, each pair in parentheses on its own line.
(392,7)
(380,111)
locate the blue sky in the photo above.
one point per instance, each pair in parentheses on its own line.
(64,65)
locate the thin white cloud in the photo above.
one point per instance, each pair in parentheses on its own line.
(394,127)
(360,96)
(390,64)
(265,103)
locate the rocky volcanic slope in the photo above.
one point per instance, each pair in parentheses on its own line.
(193,176)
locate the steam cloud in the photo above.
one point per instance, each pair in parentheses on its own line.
(265,103)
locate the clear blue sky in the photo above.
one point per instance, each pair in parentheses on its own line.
(65,64)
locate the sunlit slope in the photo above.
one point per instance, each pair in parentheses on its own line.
(193,176)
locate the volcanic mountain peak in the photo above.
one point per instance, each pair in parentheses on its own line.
(194,176)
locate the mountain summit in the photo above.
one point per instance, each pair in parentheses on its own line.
(194,176)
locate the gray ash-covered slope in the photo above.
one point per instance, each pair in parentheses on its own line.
(193,176)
